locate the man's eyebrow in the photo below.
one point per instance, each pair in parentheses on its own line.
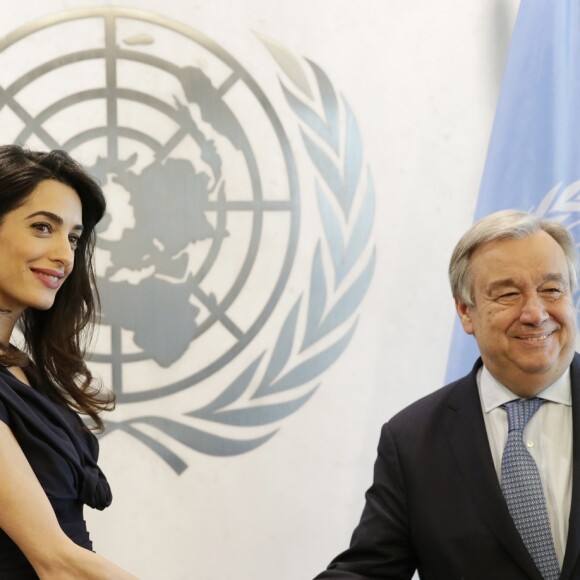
(554,278)
(507,282)
(54,217)
(496,284)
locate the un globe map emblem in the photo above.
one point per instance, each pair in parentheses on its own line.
(237,245)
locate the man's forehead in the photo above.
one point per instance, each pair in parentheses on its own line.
(533,260)
(528,252)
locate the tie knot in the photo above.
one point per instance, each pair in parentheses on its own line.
(520,411)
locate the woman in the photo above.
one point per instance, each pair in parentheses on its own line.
(49,207)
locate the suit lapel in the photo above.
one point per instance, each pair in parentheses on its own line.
(573,542)
(467,438)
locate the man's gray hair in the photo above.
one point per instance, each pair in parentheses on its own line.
(507,224)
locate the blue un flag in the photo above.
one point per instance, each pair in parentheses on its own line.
(533,160)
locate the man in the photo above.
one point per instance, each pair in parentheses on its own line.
(446,499)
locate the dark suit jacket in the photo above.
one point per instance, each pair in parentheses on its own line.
(436,504)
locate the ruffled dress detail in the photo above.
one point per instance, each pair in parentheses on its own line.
(62,453)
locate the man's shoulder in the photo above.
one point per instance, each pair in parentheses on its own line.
(433,406)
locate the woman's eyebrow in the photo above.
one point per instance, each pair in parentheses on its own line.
(54,217)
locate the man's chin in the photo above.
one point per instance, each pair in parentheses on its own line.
(549,366)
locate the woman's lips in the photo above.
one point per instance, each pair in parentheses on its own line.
(50,278)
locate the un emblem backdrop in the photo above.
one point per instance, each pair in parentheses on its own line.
(279,191)
(213,220)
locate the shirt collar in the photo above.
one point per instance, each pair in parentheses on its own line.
(493,394)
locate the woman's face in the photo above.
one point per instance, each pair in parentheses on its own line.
(37,246)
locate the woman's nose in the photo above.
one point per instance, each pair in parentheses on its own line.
(62,251)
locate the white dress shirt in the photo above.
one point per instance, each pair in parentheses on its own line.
(548,437)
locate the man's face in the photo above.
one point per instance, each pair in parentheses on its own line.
(523,318)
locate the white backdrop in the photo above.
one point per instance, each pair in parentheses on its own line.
(422,78)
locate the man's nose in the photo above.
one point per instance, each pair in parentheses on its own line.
(533,310)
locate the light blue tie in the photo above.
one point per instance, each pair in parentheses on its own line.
(522,489)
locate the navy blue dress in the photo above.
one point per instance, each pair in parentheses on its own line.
(62,454)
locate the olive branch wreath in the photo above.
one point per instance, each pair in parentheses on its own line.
(346,198)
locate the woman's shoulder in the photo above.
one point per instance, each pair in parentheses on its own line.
(8,394)
(25,403)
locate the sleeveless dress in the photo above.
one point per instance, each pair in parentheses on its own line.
(62,454)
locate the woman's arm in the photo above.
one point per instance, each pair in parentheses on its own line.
(28,518)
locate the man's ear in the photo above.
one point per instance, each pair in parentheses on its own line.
(463,310)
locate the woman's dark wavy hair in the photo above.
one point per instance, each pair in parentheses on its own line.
(56,338)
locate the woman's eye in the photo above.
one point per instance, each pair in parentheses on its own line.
(42,227)
(74,242)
